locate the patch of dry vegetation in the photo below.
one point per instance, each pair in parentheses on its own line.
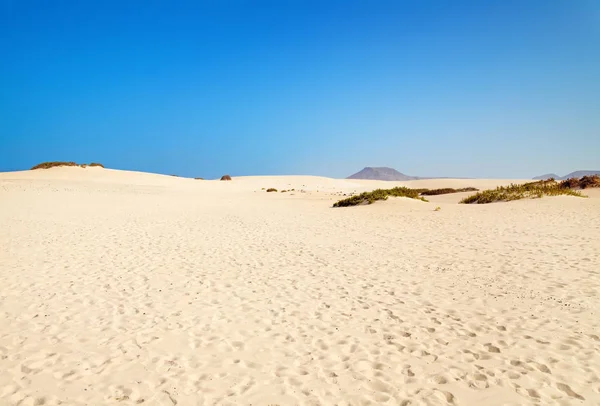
(379,194)
(581,183)
(225,177)
(444,191)
(271,189)
(529,190)
(54,164)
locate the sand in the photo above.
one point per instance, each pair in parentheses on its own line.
(132,288)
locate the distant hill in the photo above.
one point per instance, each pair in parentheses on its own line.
(381,173)
(579,174)
(547,176)
(576,174)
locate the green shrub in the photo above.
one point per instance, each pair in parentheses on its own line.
(512,192)
(379,194)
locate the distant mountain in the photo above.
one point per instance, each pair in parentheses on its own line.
(547,176)
(579,174)
(381,173)
(576,174)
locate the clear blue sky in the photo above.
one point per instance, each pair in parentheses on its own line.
(432,88)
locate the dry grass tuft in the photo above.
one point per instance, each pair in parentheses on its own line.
(271,189)
(53,164)
(529,190)
(435,192)
(225,177)
(379,194)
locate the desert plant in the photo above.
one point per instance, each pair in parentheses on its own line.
(438,208)
(97,164)
(271,189)
(199,178)
(46,165)
(225,177)
(582,183)
(523,191)
(378,194)
(83,165)
(589,181)
(444,191)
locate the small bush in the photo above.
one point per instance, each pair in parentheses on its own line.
(583,183)
(284,191)
(589,181)
(271,189)
(225,177)
(435,192)
(199,178)
(97,164)
(379,194)
(512,192)
(53,164)
(438,208)
(83,165)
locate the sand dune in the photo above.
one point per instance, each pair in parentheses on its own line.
(132,288)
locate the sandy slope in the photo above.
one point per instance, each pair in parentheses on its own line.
(132,288)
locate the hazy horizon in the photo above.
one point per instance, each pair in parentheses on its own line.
(501,89)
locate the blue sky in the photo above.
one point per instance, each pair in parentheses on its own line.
(431,88)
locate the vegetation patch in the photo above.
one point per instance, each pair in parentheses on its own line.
(271,189)
(54,164)
(379,194)
(225,177)
(529,190)
(581,183)
(445,191)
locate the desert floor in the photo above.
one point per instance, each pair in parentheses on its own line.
(132,288)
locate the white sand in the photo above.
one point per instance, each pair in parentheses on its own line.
(132,288)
